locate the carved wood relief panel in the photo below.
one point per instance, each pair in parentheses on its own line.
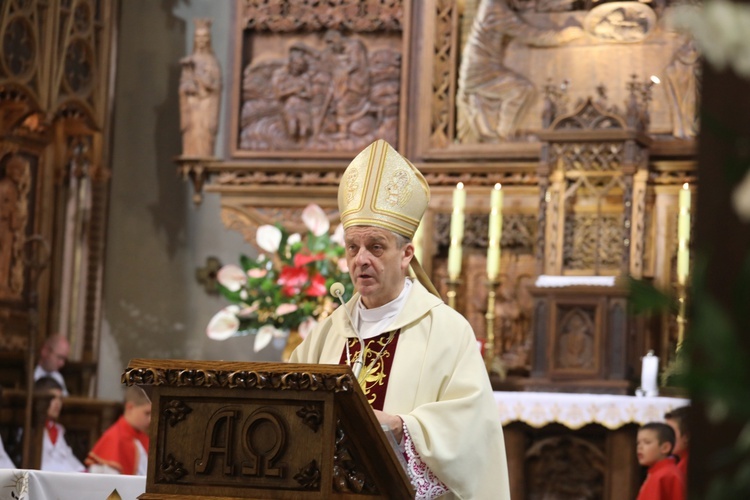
(18,191)
(576,343)
(565,467)
(490,61)
(317,79)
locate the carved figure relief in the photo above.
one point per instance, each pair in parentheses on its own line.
(564,468)
(351,83)
(575,345)
(292,84)
(620,22)
(513,311)
(683,82)
(336,97)
(14,190)
(491,96)
(200,95)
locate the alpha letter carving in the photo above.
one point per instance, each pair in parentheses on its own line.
(220,427)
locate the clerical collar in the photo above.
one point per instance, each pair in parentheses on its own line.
(373,322)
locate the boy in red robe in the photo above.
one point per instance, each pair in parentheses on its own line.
(123,448)
(677,420)
(664,480)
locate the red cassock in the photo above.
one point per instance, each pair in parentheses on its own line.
(683,463)
(116,448)
(664,482)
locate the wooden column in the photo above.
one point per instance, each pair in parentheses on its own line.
(722,243)
(623,472)
(515,450)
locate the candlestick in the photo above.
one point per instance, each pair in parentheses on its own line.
(681,315)
(683,235)
(452,287)
(495,232)
(489,341)
(455,251)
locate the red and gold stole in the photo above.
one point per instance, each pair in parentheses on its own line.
(379,352)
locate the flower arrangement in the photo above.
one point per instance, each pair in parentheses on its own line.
(285,289)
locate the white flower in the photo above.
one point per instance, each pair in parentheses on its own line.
(286,309)
(293,238)
(256,273)
(248,311)
(338,235)
(720,30)
(306,327)
(741,198)
(265,335)
(268,238)
(224,324)
(231,277)
(315,219)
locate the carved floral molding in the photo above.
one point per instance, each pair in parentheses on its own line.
(239,379)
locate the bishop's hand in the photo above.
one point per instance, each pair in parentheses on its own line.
(394,423)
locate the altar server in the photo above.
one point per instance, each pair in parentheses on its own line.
(677,419)
(123,448)
(57,456)
(654,447)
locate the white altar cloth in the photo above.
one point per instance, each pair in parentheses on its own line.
(538,409)
(42,485)
(549,281)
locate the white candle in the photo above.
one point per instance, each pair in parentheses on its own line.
(683,235)
(495,232)
(649,374)
(455,251)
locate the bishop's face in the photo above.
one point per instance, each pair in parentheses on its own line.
(377,264)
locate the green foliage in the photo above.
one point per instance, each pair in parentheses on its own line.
(645,298)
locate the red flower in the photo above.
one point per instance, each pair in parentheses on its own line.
(317,286)
(292,279)
(303,260)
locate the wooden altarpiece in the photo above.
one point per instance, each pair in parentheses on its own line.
(593,174)
(55,111)
(263,430)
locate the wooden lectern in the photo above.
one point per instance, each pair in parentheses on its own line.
(263,430)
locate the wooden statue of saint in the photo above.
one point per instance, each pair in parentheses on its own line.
(200,95)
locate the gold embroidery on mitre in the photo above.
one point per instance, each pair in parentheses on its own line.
(351,185)
(398,189)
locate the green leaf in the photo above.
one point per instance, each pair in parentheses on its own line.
(645,298)
(248,263)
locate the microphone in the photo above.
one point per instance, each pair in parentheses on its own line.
(337,290)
